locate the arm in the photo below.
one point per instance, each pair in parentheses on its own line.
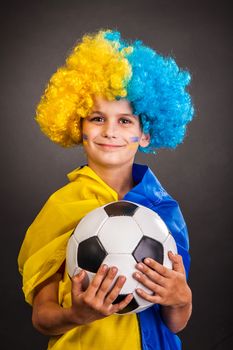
(170,290)
(88,305)
(176,317)
(48,317)
(177,314)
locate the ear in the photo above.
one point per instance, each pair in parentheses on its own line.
(145,140)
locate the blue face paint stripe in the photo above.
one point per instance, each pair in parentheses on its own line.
(134,139)
(85,137)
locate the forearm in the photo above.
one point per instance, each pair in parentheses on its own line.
(52,319)
(176,317)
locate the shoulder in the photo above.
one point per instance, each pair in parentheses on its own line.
(72,189)
(148,184)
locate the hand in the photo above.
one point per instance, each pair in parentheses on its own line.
(96,301)
(168,287)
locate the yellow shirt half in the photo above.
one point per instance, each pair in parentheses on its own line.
(44,249)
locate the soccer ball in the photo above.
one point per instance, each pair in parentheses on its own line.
(120,234)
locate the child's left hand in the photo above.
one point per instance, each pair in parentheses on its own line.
(169,287)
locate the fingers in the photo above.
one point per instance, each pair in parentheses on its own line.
(120,306)
(110,290)
(152,298)
(149,266)
(159,268)
(164,284)
(148,283)
(107,288)
(153,271)
(177,262)
(97,300)
(97,280)
(115,291)
(103,287)
(77,282)
(107,283)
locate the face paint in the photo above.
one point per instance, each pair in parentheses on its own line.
(134,142)
(132,145)
(134,139)
(85,138)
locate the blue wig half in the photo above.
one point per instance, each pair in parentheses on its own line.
(157,92)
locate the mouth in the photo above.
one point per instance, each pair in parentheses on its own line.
(109,146)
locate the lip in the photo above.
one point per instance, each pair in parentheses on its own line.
(109,145)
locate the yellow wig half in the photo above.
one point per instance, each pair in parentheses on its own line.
(95,67)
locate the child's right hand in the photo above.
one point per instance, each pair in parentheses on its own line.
(96,301)
(88,305)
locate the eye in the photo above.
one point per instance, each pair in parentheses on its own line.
(97,119)
(125,121)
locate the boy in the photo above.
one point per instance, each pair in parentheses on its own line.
(114,98)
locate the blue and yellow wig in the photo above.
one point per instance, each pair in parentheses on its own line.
(103,64)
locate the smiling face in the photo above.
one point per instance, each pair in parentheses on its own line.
(112,134)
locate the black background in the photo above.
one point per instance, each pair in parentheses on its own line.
(35,39)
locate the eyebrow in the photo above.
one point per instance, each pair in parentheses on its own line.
(122,114)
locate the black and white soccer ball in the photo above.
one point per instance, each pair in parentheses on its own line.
(120,234)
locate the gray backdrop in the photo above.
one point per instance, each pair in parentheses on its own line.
(35,39)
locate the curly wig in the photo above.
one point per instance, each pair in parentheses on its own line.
(103,64)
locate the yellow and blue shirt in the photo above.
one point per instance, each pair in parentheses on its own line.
(44,249)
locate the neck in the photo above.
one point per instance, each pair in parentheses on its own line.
(120,179)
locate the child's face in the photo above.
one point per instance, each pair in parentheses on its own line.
(112,134)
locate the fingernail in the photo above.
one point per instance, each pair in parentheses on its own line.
(114,269)
(81,273)
(140,266)
(104,267)
(130,296)
(122,279)
(147,260)
(138,290)
(137,275)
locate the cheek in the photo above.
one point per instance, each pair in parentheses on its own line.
(88,133)
(86,129)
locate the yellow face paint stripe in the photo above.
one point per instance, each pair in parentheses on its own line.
(133,145)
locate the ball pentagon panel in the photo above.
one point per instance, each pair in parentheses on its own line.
(149,247)
(121,208)
(91,254)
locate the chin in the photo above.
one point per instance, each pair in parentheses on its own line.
(113,162)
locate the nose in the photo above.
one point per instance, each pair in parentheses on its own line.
(109,130)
